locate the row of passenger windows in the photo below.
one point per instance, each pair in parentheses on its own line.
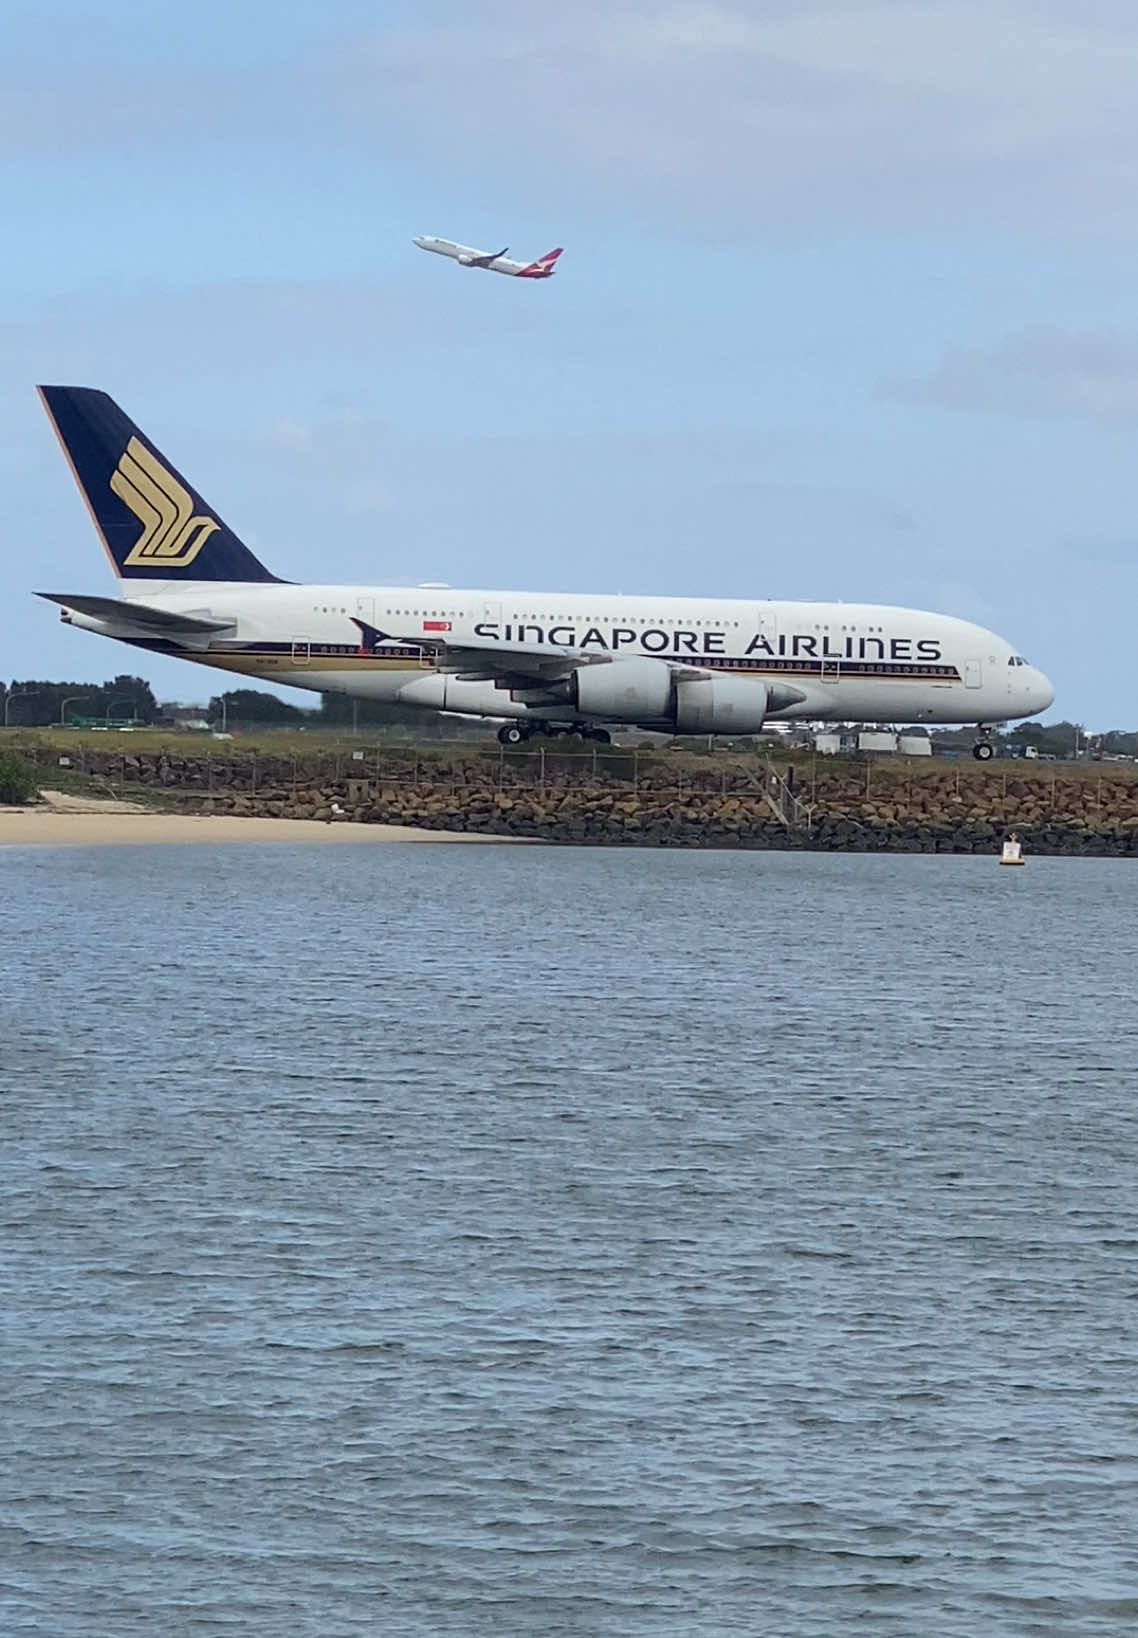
(583,619)
(599,619)
(559,619)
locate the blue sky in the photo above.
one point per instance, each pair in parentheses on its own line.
(847,308)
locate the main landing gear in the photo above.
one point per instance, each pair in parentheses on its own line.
(516,733)
(984,750)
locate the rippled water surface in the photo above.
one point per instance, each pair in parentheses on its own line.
(454,1240)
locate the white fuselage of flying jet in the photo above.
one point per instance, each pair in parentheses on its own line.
(467,256)
(839,662)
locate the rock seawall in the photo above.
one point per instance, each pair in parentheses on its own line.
(656,799)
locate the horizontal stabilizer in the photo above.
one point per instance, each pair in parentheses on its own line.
(139,619)
(140,614)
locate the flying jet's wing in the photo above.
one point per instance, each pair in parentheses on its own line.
(486,261)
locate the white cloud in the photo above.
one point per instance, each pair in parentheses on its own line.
(736,116)
(1043,371)
(756,115)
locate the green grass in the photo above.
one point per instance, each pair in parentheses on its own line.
(19,781)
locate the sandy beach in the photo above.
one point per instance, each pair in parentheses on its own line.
(64,821)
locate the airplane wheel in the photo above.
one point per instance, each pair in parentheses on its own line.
(984,751)
(512,735)
(600,735)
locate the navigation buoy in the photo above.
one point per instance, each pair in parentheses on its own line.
(1013,852)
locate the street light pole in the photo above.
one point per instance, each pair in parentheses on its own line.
(115,698)
(18,694)
(70,700)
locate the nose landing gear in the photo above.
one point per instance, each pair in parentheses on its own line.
(984,750)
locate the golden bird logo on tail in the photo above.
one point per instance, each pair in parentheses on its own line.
(171,535)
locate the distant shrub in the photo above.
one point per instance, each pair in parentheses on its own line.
(17,780)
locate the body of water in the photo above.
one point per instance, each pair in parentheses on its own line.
(455,1240)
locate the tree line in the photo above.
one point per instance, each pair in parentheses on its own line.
(250,708)
(1058,739)
(32,704)
(36,703)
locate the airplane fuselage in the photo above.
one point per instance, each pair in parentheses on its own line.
(819,661)
(534,660)
(468,256)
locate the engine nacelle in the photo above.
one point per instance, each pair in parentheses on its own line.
(439,691)
(634,690)
(638,689)
(720,705)
(465,261)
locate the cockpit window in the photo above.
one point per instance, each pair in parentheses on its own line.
(1017,659)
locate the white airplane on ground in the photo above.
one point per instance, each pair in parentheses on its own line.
(540,662)
(494,261)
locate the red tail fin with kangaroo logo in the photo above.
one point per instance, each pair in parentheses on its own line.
(542,268)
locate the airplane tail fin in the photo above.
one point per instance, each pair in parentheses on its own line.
(153,524)
(543,267)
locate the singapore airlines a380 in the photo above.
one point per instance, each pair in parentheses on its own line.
(535,662)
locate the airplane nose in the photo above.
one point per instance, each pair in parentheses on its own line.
(1041,692)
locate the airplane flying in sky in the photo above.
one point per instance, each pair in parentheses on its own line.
(494,261)
(537,662)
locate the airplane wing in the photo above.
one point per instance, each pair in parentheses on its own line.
(486,261)
(488,659)
(512,665)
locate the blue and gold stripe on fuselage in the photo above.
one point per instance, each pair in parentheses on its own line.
(256,658)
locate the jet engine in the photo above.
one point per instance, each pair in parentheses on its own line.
(633,690)
(647,691)
(720,705)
